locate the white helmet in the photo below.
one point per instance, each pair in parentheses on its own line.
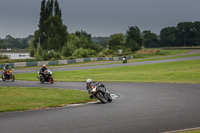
(89,81)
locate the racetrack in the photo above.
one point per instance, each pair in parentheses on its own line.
(140,108)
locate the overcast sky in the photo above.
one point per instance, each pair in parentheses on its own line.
(20,18)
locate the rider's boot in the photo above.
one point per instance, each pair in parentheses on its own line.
(92,97)
(3,75)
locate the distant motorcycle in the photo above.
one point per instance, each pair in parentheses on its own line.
(47,77)
(100,92)
(8,75)
(124,60)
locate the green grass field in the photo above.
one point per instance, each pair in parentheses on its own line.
(173,72)
(194,131)
(25,98)
(163,58)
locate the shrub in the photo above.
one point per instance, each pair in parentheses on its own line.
(82,53)
(47,55)
(3,56)
(108,52)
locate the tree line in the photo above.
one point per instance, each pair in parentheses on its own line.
(15,43)
(52,40)
(184,34)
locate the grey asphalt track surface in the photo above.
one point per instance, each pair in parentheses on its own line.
(140,108)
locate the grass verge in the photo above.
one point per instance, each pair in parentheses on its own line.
(193,131)
(172,72)
(27,98)
(159,53)
(163,58)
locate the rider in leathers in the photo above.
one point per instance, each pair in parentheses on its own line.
(42,70)
(88,86)
(5,68)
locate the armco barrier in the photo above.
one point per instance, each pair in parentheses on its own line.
(31,64)
(71,61)
(53,63)
(101,58)
(86,59)
(20,64)
(40,63)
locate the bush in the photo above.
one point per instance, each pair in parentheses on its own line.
(83,53)
(3,56)
(68,49)
(108,52)
(47,55)
(101,55)
(32,50)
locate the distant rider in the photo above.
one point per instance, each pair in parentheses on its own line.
(6,68)
(89,83)
(42,70)
(124,59)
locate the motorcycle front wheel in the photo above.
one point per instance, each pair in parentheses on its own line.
(4,79)
(101,97)
(12,78)
(51,80)
(109,98)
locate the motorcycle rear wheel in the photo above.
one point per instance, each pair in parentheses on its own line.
(41,79)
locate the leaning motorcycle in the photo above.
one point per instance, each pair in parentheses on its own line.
(8,75)
(47,77)
(101,93)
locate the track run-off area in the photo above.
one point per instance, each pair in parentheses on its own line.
(139,107)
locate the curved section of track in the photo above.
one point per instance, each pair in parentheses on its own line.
(141,108)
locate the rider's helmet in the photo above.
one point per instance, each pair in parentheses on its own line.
(88,81)
(44,66)
(6,65)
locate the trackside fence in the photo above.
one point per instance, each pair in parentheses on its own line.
(60,62)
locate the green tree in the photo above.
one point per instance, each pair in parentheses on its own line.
(196,28)
(52,34)
(168,37)
(150,39)
(185,33)
(57,10)
(57,35)
(134,38)
(40,35)
(116,41)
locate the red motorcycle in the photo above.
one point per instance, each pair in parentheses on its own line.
(46,77)
(8,75)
